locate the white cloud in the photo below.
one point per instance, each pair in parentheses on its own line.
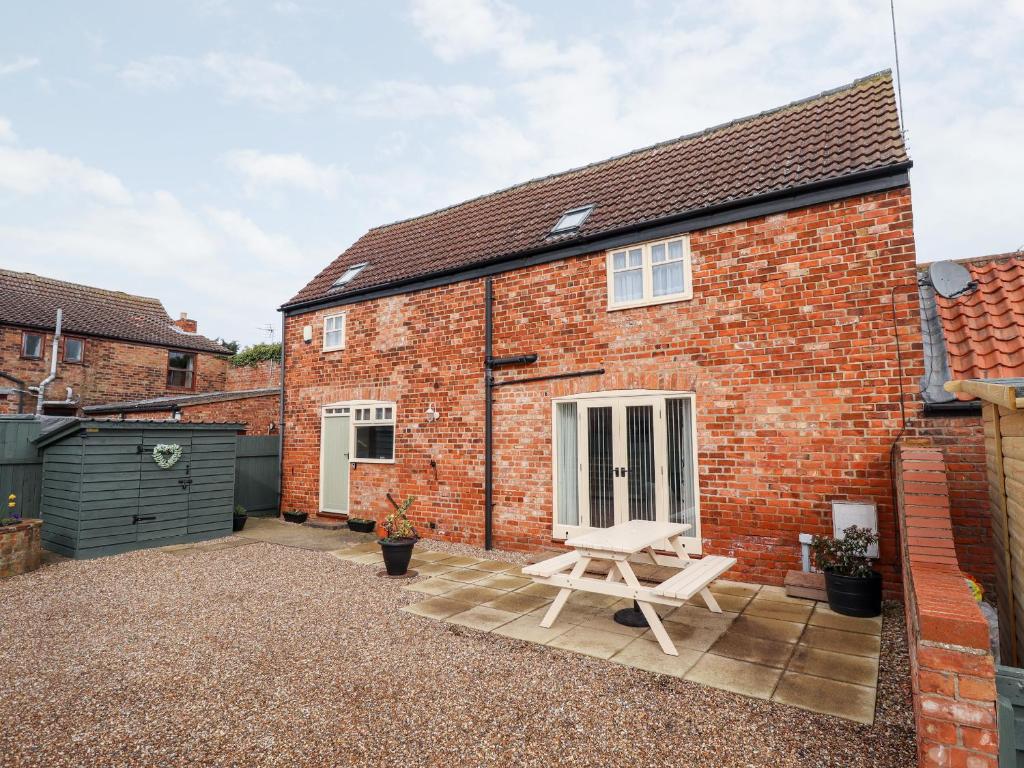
(159,72)
(19,64)
(273,250)
(34,171)
(262,169)
(265,83)
(411,101)
(262,82)
(7,131)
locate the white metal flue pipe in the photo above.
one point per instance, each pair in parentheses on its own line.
(53,365)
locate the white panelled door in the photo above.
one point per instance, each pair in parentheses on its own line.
(624,456)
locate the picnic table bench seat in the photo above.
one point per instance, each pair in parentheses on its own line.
(694,577)
(552,565)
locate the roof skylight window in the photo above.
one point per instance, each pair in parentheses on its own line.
(572,219)
(349,275)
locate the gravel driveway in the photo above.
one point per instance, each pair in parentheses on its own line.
(263,655)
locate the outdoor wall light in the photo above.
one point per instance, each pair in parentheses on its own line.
(432,414)
(307,333)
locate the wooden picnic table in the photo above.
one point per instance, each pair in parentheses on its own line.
(637,539)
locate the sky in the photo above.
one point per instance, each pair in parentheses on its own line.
(217,154)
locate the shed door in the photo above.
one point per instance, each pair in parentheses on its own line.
(211,499)
(164,493)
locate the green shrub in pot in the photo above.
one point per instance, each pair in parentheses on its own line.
(854,588)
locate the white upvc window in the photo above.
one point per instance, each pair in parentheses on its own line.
(650,273)
(334,332)
(373,432)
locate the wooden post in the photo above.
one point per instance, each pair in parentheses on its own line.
(992,410)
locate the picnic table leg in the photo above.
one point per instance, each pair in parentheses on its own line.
(648,610)
(556,607)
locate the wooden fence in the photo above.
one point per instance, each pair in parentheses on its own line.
(256,473)
(21,466)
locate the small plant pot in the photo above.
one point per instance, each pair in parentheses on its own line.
(397,554)
(238,523)
(361,526)
(854,595)
(295,517)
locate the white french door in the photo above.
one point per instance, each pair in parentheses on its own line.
(625,456)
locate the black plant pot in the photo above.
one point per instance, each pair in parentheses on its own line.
(295,517)
(361,526)
(854,595)
(397,554)
(238,523)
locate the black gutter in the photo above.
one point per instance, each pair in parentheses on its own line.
(865,182)
(179,402)
(21,389)
(953,408)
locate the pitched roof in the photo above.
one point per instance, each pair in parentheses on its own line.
(983,328)
(31,300)
(170,402)
(847,131)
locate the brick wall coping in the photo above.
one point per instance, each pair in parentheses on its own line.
(24,525)
(946,611)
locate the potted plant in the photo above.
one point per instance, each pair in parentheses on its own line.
(238,522)
(399,540)
(294,516)
(361,525)
(852,586)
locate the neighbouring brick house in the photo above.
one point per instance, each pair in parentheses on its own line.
(715,321)
(976,335)
(114,346)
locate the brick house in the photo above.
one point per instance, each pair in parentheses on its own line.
(714,321)
(976,335)
(114,346)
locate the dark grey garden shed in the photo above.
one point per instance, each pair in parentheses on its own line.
(103,491)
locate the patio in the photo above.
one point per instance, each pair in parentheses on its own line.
(244,651)
(764,645)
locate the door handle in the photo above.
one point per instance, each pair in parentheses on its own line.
(136,519)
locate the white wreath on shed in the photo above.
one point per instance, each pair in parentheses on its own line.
(166,455)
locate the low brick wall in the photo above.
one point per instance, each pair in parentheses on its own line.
(952,670)
(20,550)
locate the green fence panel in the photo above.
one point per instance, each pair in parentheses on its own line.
(256,473)
(1010,687)
(21,467)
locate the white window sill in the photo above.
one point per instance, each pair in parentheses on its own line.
(332,349)
(371,461)
(671,299)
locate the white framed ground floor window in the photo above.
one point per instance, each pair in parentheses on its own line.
(624,455)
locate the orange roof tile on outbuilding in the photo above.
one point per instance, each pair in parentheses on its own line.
(984,328)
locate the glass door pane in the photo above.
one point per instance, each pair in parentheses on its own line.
(567,465)
(600,462)
(640,464)
(681,506)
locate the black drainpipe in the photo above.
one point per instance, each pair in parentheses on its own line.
(21,390)
(280,426)
(488,415)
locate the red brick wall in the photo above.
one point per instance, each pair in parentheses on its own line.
(112,371)
(257,413)
(952,671)
(962,440)
(267,373)
(787,343)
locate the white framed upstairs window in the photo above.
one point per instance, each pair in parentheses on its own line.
(334,332)
(657,272)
